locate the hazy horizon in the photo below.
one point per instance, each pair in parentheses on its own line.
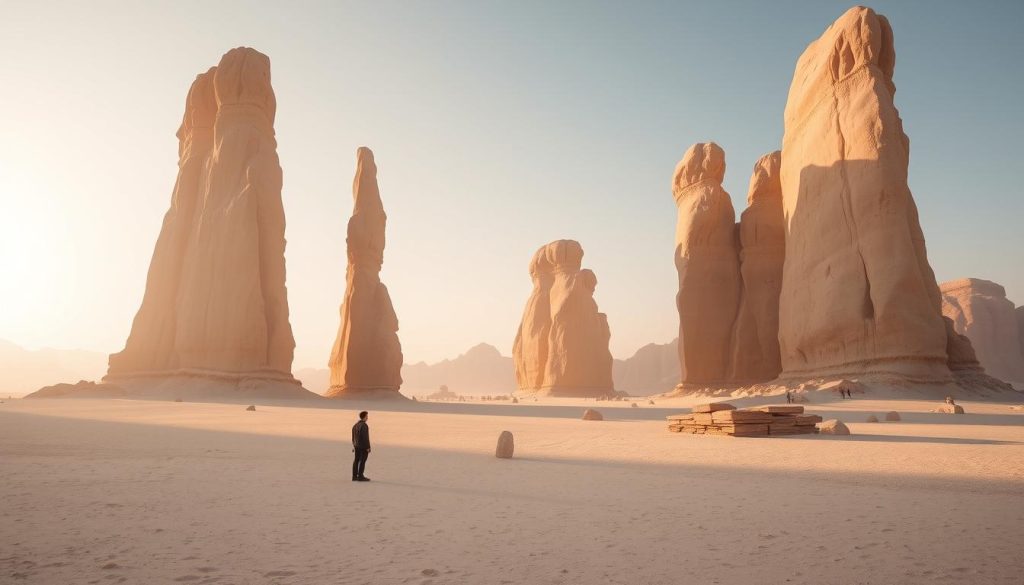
(496,128)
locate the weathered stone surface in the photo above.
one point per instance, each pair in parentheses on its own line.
(833,427)
(871,418)
(214,317)
(762,230)
(563,351)
(707,262)
(251,408)
(366,360)
(892,416)
(591,414)
(858,295)
(980,310)
(150,346)
(506,446)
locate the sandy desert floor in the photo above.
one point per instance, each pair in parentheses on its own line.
(109,491)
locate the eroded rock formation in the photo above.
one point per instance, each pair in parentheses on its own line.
(215,311)
(366,361)
(858,295)
(755,351)
(561,348)
(707,262)
(980,310)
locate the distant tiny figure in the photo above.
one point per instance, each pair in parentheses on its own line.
(361,447)
(789,397)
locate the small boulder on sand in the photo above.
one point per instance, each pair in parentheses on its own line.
(833,427)
(633,405)
(251,408)
(591,414)
(650,402)
(515,400)
(892,416)
(506,446)
(871,418)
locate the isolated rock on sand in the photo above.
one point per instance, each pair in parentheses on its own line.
(892,416)
(833,427)
(858,295)
(591,414)
(707,262)
(214,317)
(950,409)
(366,361)
(568,344)
(506,446)
(871,418)
(980,310)
(762,229)
(251,408)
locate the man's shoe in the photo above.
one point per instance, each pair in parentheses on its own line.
(362,479)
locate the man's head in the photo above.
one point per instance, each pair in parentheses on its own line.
(363,415)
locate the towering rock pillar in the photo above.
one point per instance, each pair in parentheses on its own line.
(707,261)
(150,345)
(530,348)
(755,356)
(215,316)
(366,361)
(561,348)
(858,295)
(980,310)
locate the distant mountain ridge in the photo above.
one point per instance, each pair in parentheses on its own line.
(481,370)
(25,370)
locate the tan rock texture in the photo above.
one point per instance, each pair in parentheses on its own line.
(366,361)
(506,446)
(707,262)
(762,231)
(980,310)
(561,348)
(858,295)
(216,306)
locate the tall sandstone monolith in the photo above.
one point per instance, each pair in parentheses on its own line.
(573,358)
(707,262)
(215,310)
(366,361)
(150,344)
(858,296)
(755,351)
(980,310)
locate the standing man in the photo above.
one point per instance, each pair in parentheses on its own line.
(360,446)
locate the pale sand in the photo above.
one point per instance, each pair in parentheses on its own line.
(101,491)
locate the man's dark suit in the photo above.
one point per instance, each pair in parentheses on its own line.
(361,447)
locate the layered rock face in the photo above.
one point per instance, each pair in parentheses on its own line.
(755,350)
(366,361)
(858,296)
(561,348)
(707,262)
(216,307)
(980,310)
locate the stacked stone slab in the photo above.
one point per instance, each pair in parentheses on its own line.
(720,418)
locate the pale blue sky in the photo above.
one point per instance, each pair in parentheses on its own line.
(498,126)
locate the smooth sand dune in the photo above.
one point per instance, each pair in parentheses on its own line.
(99,491)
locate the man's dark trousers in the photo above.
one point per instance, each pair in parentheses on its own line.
(359,465)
